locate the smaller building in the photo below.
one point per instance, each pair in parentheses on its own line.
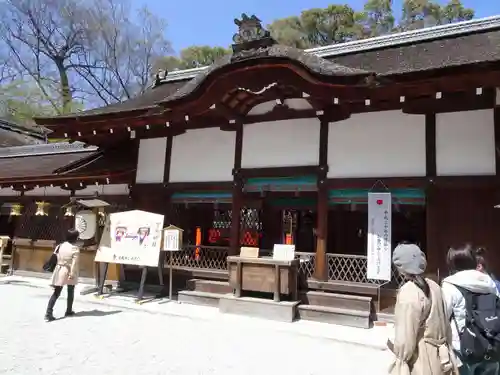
(14,134)
(49,176)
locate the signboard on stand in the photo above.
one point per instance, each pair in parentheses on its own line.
(379,236)
(283,252)
(172,238)
(134,237)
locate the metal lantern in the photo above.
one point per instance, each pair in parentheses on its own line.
(69,211)
(16,209)
(41,209)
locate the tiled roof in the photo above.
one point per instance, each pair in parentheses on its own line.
(37,165)
(63,159)
(470,42)
(14,134)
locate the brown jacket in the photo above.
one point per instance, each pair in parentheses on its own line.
(423,335)
(66,271)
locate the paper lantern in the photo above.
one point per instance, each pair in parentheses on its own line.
(85,224)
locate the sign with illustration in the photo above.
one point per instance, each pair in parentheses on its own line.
(379,236)
(134,237)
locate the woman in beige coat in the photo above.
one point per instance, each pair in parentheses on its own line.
(422,333)
(65,273)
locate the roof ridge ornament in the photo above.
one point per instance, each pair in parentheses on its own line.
(251,36)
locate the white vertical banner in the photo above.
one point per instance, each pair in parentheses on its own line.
(379,236)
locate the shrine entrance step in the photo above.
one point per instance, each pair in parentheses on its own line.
(194,297)
(335,315)
(283,311)
(209,286)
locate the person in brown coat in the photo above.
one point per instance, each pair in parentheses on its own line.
(65,273)
(422,344)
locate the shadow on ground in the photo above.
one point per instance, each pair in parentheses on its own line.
(21,283)
(96,312)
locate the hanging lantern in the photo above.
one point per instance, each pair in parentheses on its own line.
(41,209)
(69,211)
(16,209)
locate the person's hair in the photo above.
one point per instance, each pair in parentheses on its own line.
(422,284)
(72,236)
(418,280)
(461,259)
(481,258)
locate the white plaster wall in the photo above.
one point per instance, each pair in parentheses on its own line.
(203,155)
(48,192)
(465,143)
(111,189)
(379,144)
(151,160)
(281,143)
(8,192)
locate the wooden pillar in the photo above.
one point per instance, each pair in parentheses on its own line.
(321,269)
(166,179)
(496,123)
(432,205)
(237,198)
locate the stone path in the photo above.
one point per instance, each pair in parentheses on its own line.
(106,340)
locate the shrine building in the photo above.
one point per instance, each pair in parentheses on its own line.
(272,144)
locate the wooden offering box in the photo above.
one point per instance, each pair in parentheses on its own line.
(263,275)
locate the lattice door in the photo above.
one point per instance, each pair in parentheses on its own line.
(251,227)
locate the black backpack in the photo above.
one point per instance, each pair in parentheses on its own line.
(480,337)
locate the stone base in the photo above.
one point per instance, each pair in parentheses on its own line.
(258,308)
(335,315)
(193,297)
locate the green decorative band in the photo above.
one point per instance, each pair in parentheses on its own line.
(295,183)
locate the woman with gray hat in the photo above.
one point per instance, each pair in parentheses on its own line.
(422,333)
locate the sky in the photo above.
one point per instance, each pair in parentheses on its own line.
(202,22)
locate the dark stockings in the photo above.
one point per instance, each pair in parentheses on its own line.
(55,296)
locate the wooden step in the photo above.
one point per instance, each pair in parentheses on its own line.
(384,317)
(4,267)
(363,289)
(335,315)
(194,297)
(209,286)
(343,301)
(283,311)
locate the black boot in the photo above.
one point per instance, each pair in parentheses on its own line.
(49,317)
(49,314)
(69,305)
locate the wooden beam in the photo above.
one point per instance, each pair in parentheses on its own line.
(496,124)
(449,102)
(168,159)
(430,145)
(237,194)
(279,171)
(321,263)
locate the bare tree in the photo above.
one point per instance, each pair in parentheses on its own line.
(42,36)
(80,51)
(122,52)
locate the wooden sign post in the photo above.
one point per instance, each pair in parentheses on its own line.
(172,241)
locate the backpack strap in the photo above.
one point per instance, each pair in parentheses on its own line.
(469,300)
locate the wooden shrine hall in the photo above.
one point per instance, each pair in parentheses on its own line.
(272,144)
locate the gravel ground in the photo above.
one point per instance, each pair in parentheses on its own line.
(108,340)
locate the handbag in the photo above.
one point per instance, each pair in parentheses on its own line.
(51,263)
